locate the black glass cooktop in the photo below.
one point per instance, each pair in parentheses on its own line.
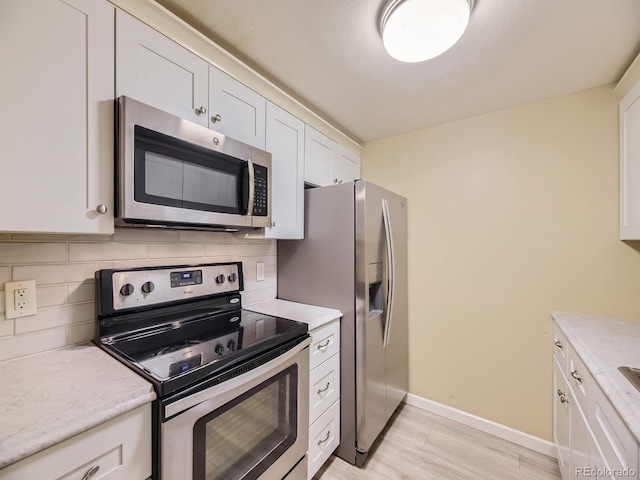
(177,353)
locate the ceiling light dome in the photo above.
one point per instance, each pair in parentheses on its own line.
(417,30)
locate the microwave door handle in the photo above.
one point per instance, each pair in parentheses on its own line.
(391,271)
(252,186)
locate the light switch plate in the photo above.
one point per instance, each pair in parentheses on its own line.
(20,299)
(259,271)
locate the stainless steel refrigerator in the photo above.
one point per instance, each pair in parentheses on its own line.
(354,258)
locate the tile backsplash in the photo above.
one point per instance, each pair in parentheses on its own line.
(63,267)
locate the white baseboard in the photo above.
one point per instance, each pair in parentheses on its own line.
(502,431)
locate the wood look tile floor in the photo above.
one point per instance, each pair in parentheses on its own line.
(418,445)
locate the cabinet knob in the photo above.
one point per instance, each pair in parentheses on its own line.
(101,209)
(559,344)
(201,111)
(335,180)
(273,224)
(91,472)
(216,118)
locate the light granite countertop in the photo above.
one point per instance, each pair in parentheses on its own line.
(604,344)
(52,396)
(313,316)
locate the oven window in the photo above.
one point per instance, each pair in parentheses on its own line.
(244,437)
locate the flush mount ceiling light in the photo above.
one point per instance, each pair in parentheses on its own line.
(417,30)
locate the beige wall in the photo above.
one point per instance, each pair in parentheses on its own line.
(512,215)
(63,267)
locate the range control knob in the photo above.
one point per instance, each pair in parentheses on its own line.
(231,345)
(147,287)
(126,290)
(220,279)
(232,277)
(219,349)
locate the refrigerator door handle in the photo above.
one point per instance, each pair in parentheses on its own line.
(391,274)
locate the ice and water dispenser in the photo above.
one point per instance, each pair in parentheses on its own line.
(376,291)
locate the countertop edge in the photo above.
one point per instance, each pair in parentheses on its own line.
(616,387)
(313,315)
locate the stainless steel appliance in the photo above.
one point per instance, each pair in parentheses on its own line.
(232,385)
(174,173)
(354,258)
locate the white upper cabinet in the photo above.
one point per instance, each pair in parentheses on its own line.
(346,167)
(319,156)
(235,110)
(285,141)
(630,165)
(56,127)
(157,71)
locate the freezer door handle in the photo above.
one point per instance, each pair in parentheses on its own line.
(391,272)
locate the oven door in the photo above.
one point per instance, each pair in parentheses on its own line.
(253,426)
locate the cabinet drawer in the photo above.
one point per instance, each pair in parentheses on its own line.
(324,437)
(561,349)
(579,379)
(121,448)
(325,343)
(618,448)
(324,387)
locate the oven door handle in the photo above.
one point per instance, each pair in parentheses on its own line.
(204,395)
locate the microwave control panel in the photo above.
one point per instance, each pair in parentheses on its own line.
(260,202)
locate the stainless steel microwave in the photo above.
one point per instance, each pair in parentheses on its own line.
(176,174)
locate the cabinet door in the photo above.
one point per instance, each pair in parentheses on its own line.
(236,110)
(56,127)
(319,156)
(346,167)
(285,141)
(579,439)
(157,71)
(561,419)
(630,165)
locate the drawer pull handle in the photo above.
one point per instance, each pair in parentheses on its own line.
(320,346)
(563,397)
(322,390)
(320,442)
(91,472)
(577,377)
(559,344)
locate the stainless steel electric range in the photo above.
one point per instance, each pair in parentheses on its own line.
(231,384)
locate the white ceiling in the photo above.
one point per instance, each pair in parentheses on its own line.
(329,55)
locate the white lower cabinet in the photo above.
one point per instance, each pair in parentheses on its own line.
(590,437)
(119,449)
(324,438)
(324,395)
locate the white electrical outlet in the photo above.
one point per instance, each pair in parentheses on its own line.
(20,299)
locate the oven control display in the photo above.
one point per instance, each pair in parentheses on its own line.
(182,279)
